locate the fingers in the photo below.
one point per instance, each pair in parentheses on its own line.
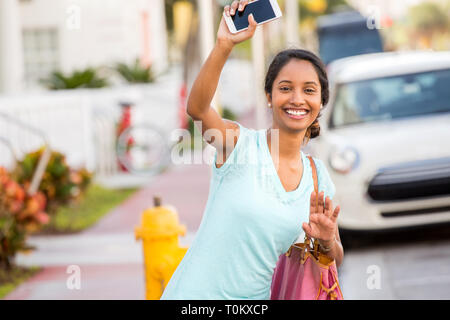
(234,7)
(230,10)
(226,10)
(242,5)
(307,229)
(335,214)
(328,211)
(251,26)
(312,203)
(320,203)
(252,23)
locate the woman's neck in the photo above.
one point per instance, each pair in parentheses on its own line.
(285,145)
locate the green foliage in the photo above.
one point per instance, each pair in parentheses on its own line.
(10,279)
(228,114)
(87,78)
(79,215)
(307,11)
(169,12)
(60,184)
(428,17)
(20,214)
(243,50)
(135,73)
(12,237)
(194,132)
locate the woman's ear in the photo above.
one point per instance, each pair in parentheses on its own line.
(269,100)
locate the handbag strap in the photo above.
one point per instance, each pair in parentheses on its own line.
(316,190)
(316,183)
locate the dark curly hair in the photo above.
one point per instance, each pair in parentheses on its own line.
(280,60)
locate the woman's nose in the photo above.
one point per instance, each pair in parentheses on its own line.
(297,97)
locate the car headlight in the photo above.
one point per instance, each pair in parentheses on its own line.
(344,160)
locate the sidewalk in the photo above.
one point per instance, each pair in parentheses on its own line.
(109,258)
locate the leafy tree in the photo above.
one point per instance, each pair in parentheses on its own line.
(311,9)
(428,18)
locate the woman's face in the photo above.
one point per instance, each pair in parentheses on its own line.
(296,96)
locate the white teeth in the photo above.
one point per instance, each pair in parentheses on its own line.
(296,113)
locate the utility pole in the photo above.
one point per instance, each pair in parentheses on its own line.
(258,58)
(11,55)
(157,47)
(207,37)
(292,22)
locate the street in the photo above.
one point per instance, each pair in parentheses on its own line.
(409,264)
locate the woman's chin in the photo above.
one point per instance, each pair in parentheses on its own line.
(295,125)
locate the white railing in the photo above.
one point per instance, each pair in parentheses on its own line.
(45,157)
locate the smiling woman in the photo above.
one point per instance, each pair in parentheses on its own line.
(262,188)
(292,72)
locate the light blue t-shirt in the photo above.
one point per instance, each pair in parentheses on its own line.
(248,222)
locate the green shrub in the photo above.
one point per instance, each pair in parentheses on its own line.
(135,73)
(87,78)
(60,184)
(193,130)
(20,214)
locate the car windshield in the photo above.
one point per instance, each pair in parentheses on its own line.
(391,98)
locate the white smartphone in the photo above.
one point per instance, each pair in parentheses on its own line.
(263,11)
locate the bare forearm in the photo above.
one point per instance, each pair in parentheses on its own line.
(205,84)
(336,252)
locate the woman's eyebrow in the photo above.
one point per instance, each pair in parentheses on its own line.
(307,82)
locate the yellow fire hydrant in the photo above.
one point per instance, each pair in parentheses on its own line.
(159,231)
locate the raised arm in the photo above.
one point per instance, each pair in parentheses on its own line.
(202,92)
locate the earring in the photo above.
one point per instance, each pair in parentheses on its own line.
(270,105)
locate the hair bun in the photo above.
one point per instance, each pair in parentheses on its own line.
(314,129)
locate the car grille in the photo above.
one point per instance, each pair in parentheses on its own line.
(419,179)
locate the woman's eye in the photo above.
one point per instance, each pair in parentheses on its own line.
(284,88)
(310,90)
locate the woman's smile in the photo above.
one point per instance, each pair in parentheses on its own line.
(296,113)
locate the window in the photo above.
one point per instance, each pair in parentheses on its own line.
(392,98)
(41,54)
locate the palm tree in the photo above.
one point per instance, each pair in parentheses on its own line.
(87,78)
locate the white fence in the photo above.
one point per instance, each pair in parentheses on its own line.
(82,123)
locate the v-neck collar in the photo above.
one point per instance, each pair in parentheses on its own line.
(279,186)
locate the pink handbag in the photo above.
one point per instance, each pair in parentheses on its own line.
(305,273)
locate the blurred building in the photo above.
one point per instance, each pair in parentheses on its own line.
(41,36)
(386,8)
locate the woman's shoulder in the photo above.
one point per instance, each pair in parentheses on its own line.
(243,149)
(246,135)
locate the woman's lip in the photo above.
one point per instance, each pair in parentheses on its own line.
(299,117)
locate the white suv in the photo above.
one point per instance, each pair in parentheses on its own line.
(385,137)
